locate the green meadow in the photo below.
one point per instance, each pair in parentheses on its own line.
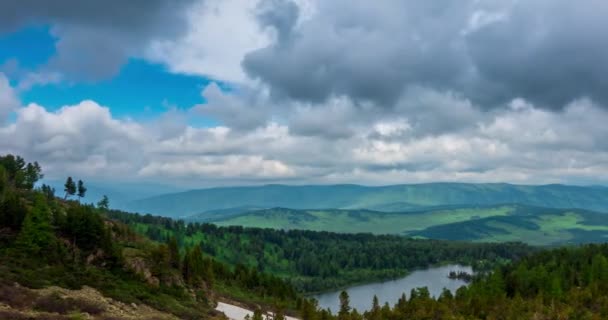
(503,223)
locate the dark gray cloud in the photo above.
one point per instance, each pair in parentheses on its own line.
(279,14)
(96,37)
(549,52)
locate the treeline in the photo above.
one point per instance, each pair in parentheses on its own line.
(315,261)
(45,240)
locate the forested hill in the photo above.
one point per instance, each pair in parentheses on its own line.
(60,259)
(385,198)
(315,261)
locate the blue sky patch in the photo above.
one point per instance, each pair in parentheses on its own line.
(141,91)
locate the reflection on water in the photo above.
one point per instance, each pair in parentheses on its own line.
(435,279)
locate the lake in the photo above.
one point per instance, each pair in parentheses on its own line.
(435,279)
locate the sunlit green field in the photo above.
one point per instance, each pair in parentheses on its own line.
(355,221)
(537,226)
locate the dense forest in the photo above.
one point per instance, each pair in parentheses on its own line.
(316,261)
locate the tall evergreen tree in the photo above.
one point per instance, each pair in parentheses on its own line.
(3,183)
(257,314)
(104,203)
(82,190)
(31,175)
(344,306)
(174,257)
(20,174)
(48,191)
(375,312)
(69,188)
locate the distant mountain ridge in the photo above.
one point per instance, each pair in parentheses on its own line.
(382,198)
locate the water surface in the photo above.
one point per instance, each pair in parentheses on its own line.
(435,279)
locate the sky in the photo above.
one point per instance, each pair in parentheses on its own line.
(198,93)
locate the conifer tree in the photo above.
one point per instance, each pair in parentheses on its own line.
(104,203)
(279,315)
(69,188)
(375,312)
(82,190)
(344,306)
(257,314)
(174,253)
(3,183)
(186,268)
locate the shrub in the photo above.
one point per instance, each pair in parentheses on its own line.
(17,297)
(89,307)
(55,303)
(14,315)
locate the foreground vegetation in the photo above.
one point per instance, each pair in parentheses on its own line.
(46,241)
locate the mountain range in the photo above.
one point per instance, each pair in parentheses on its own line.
(213,202)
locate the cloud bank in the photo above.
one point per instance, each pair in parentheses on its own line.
(333,91)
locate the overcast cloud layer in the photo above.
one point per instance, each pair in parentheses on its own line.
(331,91)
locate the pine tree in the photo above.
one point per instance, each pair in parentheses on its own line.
(3,184)
(344,306)
(82,190)
(104,203)
(31,175)
(375,312)
(48,191)
(69,188)
(186,269)
(280,314)
(257,315)
(208,274)
(174,253)
(308,309)
(20,174)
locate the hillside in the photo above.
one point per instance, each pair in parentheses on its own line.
(500,223)
(60,259)
(386,198)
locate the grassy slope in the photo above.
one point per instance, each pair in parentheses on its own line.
(538,226)
(387,198)
(355,221)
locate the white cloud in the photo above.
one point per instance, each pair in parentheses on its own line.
(220,33)
(231,167)
(8,98)
(522,144)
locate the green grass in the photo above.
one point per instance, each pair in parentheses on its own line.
(533,225)
(537,226)
(357,221)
